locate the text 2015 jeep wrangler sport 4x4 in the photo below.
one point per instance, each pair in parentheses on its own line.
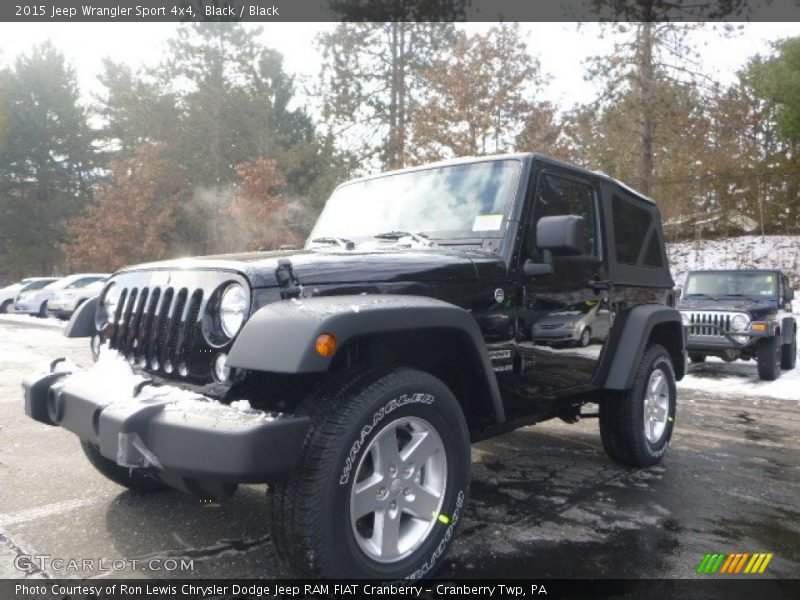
(372,358)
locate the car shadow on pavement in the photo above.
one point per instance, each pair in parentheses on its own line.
(221,539)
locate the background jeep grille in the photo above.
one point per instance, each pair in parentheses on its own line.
(159,328)
(710,324)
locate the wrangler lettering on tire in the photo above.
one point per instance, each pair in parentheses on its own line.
(402,446)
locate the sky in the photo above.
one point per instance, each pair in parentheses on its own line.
(562,48)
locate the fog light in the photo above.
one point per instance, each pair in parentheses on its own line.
(741,339)
(222,371)
(325,345)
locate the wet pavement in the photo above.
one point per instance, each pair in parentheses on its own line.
(545,500)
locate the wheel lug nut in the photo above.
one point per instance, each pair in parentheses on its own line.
(407,492)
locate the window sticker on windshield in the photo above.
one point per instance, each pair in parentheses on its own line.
(487,223)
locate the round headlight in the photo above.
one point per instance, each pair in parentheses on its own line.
(739,322)
(232,309)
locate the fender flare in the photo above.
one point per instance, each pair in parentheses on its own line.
(81,323)
(788,329)
(280,336)
(637,325)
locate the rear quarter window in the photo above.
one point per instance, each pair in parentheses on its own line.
(631,224)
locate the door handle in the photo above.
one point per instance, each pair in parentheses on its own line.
(598,284)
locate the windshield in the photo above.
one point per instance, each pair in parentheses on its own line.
(732,284)
(37,285)
(579,307)
(456,201)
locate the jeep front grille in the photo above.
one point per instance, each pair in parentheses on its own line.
(159,327)
(154,326)
(709,324)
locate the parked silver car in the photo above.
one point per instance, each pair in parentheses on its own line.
(35,301)
(10,292)
(578,324)
(65,302)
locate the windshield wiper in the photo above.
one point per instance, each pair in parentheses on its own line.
(398,234)
(335,241)
(705,296)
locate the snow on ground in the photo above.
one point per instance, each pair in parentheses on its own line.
(744,252)
(30,320)
(740,378)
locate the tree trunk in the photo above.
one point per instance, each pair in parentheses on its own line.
(646,82)
(400,158)
(391,144)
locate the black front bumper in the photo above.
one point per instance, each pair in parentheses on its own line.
(161,435)
(723,340)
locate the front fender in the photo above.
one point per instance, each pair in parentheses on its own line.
(637,327)
(82,324)
(280,336)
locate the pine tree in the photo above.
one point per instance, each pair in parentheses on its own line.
(371,83)
(47,160)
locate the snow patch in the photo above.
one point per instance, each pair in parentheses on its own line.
(31,320)
(743,252)
(740,378)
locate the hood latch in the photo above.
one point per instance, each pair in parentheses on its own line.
(287,281)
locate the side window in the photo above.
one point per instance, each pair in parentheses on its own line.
(653,257)
(557,196)
(631,224)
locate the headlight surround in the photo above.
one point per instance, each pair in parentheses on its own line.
(739,322)
(233,308)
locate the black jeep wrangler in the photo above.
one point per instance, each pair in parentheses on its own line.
(741,314)
(352,376)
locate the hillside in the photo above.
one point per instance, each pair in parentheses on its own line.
(745,252)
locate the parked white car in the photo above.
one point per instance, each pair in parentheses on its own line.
(10,292)
(35,302)
(65,302)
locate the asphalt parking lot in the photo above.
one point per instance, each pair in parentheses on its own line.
(545,500)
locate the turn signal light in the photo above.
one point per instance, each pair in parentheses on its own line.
(325,345)
(758,326)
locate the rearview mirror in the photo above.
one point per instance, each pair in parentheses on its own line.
(563,234)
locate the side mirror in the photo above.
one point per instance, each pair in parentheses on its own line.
(560,235)
(564,234)
(789,294)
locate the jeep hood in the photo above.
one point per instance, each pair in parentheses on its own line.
(323,266)
(757,309)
